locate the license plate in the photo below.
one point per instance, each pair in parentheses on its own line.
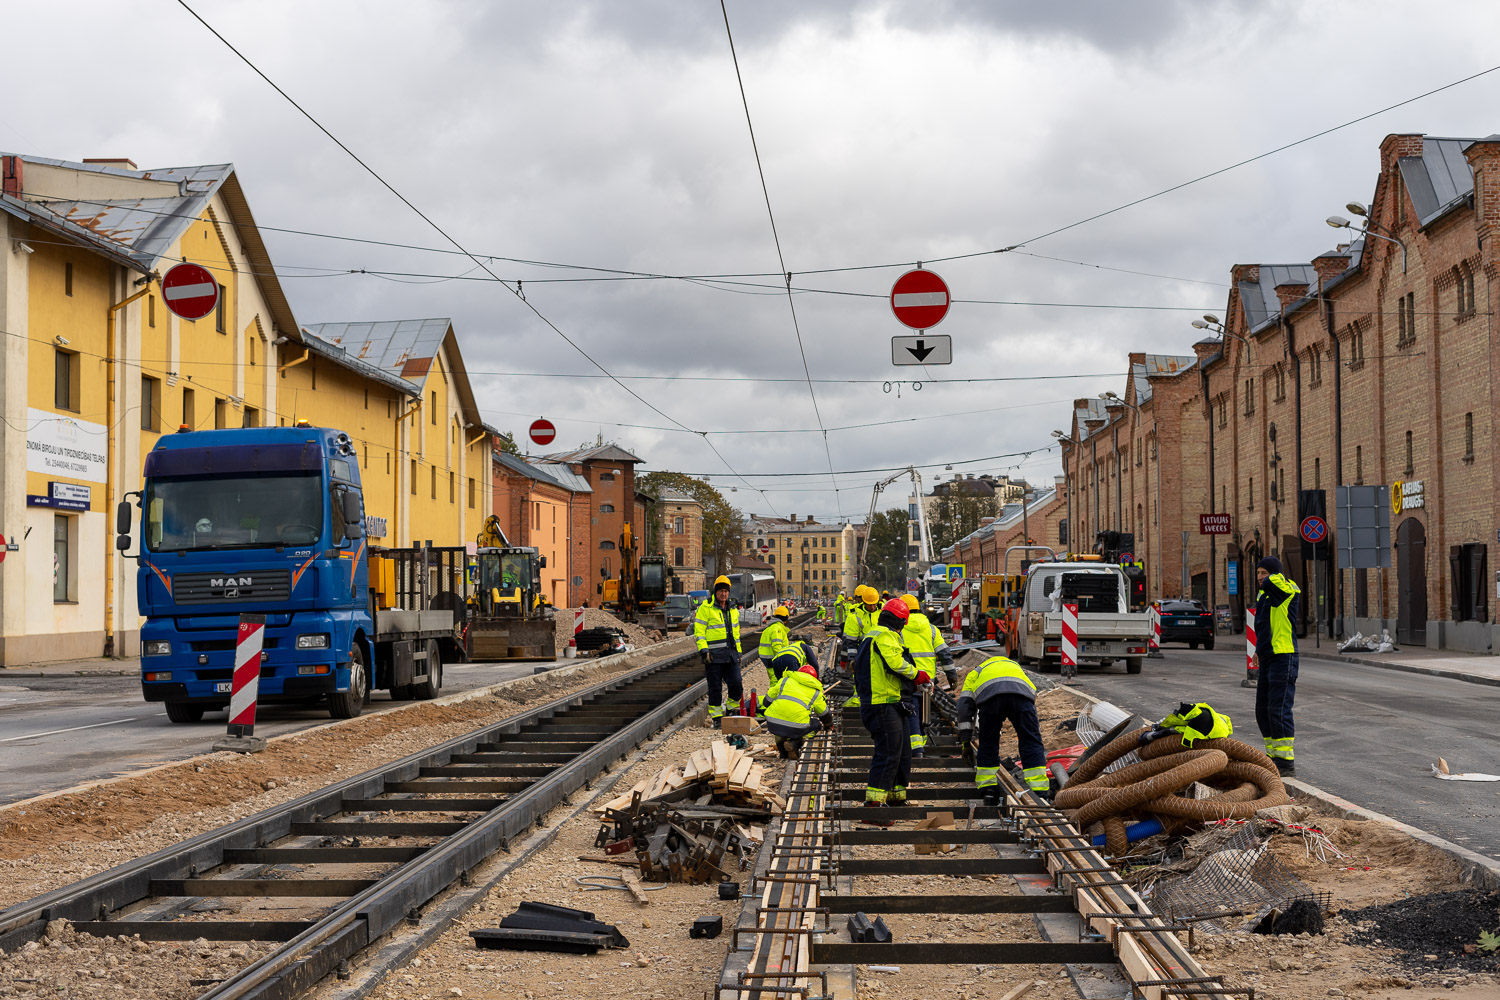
(224,687)
(1186,621)
(1095,647)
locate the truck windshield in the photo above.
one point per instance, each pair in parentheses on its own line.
(188,513)
(515,571)
(939,590)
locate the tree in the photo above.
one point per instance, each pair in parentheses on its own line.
(885,550)
(955,515)
(722,530)
(507,443)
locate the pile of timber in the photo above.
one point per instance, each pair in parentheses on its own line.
(695,822)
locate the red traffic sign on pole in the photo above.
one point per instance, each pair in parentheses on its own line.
(190,291)
(919,299)
(1314,529)
(542,431)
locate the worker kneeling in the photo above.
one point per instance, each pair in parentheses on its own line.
(999,690)
(883,672)
(795,708)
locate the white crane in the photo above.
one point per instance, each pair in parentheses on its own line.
(925,549)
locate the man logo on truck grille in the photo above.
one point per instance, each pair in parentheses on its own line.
(230,581)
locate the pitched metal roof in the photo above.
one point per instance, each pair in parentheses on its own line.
(339,356)
(600,453)
(1093,409)
(1439,179)
(563,476)
(1158,364)
(676,496)
(525,468)
(404,348)
(1010,515)
(1258,298)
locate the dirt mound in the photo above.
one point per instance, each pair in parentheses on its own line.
(598,618)
(1444,924)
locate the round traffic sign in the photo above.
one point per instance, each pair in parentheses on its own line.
(2,548)
(919,299)
(542,431)
(190,291)
(1314,529)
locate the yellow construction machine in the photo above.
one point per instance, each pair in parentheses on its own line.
(511,618)
(637,593)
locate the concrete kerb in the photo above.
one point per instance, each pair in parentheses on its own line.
(1478,869)
(451,699)
(1410,668)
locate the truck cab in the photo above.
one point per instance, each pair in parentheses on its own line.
(266,521)
(1108,628)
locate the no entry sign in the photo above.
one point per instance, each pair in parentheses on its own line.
(542,431)
(190,291)
(919,299)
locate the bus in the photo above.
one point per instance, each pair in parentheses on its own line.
(754,592)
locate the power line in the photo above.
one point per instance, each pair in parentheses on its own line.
(776,237)
(439,229)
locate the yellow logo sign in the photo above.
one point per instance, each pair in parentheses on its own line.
(1396,497)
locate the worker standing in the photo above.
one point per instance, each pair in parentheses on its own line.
(928,650)
(999,691)
(882,671)
(795,706)
(840,611)
(717,628)
(772,638)
(857,624)
(1276,661)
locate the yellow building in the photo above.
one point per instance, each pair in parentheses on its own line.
(94,367)
(811,559)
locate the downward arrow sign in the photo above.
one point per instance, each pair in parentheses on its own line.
(921,351)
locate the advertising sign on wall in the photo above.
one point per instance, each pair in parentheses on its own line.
(64,447)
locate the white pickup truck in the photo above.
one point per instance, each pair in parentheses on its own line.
(1107,629)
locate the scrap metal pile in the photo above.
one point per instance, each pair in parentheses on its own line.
(695,822)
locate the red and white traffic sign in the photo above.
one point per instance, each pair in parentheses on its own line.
(542,431)
(919,299)
(190,291)
(1314,529)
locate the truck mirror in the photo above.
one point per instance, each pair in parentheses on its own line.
(349,502)
(122,518)
(354,529)
(541,563)
(122,542)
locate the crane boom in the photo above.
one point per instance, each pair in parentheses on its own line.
(926,546)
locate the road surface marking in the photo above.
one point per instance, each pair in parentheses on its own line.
(54,732)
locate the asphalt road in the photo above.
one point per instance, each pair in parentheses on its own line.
(58,731)
(1366,734)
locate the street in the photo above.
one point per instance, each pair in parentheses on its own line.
(1364,733)
(58,731)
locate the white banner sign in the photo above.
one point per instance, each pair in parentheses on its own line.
(64,447)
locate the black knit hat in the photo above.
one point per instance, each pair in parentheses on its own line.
(1270,564)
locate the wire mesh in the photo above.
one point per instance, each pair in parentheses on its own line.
(1090,733)
(1228,869)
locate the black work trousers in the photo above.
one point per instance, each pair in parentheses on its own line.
(890,760)
(1274,694)
(1020,712)
(724,670)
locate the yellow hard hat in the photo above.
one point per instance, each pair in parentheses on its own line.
(781,612)
(867,594)
(722,581)
(911,600)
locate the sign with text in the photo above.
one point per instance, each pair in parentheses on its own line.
(65,447)
(1407,495)
(1214,524)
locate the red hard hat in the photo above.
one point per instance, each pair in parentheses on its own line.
(897,607)
(809,669)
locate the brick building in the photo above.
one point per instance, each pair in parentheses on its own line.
(682,539)
(1042,520)
(542,508)
(609,473)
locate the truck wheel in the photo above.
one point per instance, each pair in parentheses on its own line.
(348,704)
(1133,664)
(179,711)
(428,689)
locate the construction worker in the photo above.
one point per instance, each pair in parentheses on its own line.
(717,628)
(883,671)
(795,706)
(1276,661)
(857,623)
(928,650)
(998,690)
(772,638)
(840,611)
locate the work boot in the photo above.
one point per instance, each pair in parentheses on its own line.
(1286,768)
(876,820)
(782,751)
(992,797)
(1248,682)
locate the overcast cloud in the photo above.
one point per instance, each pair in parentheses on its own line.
(611,134)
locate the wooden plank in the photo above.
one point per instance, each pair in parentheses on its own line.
(740,773)
(722,764)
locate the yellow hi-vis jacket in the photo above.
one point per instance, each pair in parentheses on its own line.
(840,611)
(880,666)
(859,622)
(792,702)
(1278,593)
(717,629)
(995,676)
(772,638)
(924,641)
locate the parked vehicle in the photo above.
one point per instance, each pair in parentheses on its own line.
(1187,621)
(678,610)
(1107,629)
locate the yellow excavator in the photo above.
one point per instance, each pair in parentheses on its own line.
(637,593)
(511,618)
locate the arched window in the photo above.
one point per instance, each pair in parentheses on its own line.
(677,556)
(606,508)
(606,546)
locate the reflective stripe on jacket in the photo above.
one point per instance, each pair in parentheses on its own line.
(794,656)
(859,622)
(995,676)
(772,638)
(879,667)
(711,630)
(1278,605)
(793,700)
(923,639)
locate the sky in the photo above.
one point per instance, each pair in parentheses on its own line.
(611,135)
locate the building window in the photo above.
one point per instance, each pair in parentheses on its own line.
(1251,504)
(312,373)
(1356,347)
(771,559)
(472,489)
(189,410)
(432,417)
(68,278)
(678,527)
(432,473)
(677,556)
(606,508)
(1406,320)
(414,477)
(65,381)
(1317,473)
(1468,437)
(252,419)
(606,546)
(219,310)
(151,311)
(219,405)
(150,403)
(1466,288)
(1223,411)
(1409,467)
(1280,383)
(771,542)
(1469,566)
(62,556)
(452,488)
(606,477)
(1314,366)
(1249,396)
(1359,465)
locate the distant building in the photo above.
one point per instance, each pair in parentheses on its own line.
(811,559)
(682,539)
(609,473)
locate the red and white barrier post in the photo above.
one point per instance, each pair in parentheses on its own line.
(1250,672)
(1155,638)
(956,614)
(245,689)
(1069,640)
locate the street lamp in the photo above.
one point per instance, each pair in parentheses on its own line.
(1339,222)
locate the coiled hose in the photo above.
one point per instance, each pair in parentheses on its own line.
(1243,779)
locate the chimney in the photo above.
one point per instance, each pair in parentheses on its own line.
(10,176)
(1060,482)
(112,161)
(1484,160)
(1401,144)
(986,521)
(1137,357)
(1244,272)
(809,519)
(792,518)
(1290,292)
(1329,266)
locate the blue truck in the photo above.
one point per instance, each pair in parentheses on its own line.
(270,520)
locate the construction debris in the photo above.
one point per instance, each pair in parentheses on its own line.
(1441,770)
(707,927)
(695,822)
(544,927)
(936,821)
